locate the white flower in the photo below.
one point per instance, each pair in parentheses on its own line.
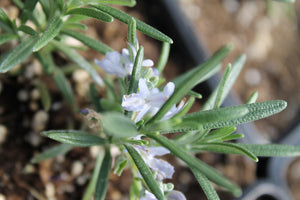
(161,168)
(150,101)
(173,195)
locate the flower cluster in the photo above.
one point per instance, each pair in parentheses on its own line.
(146,102)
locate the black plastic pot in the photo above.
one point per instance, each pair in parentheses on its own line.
(167,17)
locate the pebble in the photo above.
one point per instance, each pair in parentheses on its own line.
(29,169)
(23,95)
(3,133)
(34,139)
(94,151)
(252,77)
(2,197)
(185,177)
(247,13)
(80,76)
(35,94)
(40,120)
(77,168)
(50,190)
(33,106)
(56,106)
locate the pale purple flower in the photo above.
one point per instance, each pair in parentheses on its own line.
(148,100)
(173,195)
(162,169)
(120,64)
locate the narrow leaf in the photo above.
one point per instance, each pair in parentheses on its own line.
(74,138)
(28,8)
(79,60)
(64,86)
(5,23)
(118,125)
(74,25)
(91,12)
(271,150)
(27,29)
(164,55)
(236,69)
(50,32)
(51,153)
(252,98)
(18,54)
(145,172)
(44,94)
(7,37)
(191,80)
(208,189)
(227,148)
(223,84)
(145,28)
(132,38)
(255,111)
(130,3)
(136,74)
(218,134)
(88,193)
(196,164)
(210,119)
(94,44)
(102,182)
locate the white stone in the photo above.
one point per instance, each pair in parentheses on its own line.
(35,94)
(2,197)
(80,76)
(77,168)
(50,191)
(231,5)
(252,77)
(3,133)
(40,120)
(23,95)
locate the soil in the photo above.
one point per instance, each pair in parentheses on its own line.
(272,47)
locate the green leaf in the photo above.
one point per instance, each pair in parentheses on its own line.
(64,86)
(102,182)
(233,137)
(74,25)
(208,189)
(226,148)
(136,71)
(18,54)
(88,193)
(120,165)
(51,153)
(145,172)
(286,1)
(130,3)
(44,94)
(132,38)
(196,164)
(109,105)
(210,119)
(233,74)
(18,3)
(7,37)
(95,98)
(222,86)
(45,58)
(118,125)
(255,111)
(46,6)
(190,80)
(218,134)
(74,138)
(79,60)
(5,23)
(164,55)
(271,150)
(94,44)
(50,32)
(28,8)
(125,18)
(91,12)
(76,18)
(27,29)
(186,108)
(252,98)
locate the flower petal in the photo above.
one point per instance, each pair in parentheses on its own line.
(175,195)
(158,151)
(147,63)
